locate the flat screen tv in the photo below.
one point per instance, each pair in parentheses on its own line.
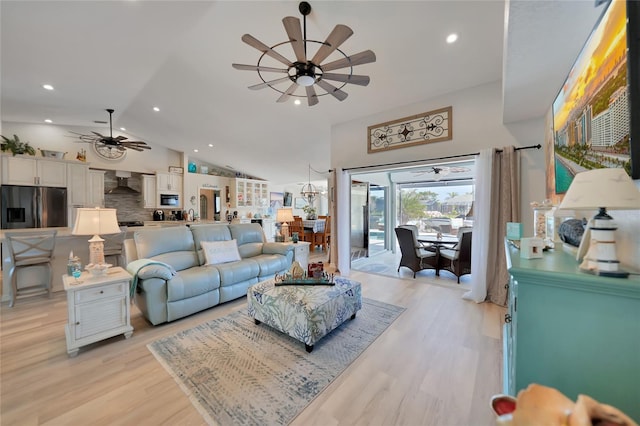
(596,122)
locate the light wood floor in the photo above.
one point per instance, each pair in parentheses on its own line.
(437,364)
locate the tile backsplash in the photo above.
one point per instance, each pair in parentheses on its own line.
(128,206)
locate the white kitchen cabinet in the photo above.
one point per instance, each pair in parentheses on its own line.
(169,182)
(77,177)
(97,307)
(25,170)
(95,197)
(252,193)
(149,192)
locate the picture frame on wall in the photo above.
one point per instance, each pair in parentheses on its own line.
(592,117)
(287,199)
(419,129)
(276,200)
(300,202)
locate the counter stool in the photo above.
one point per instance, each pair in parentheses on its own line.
(30,249)
(113,247)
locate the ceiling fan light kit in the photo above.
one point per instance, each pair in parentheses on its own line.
(108,147)
(304,72)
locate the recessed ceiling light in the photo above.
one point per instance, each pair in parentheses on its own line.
(297,102)
(123,129)
(48,120)
(451,38)
(195,150)
(156,109)
(211,145)
(47,86)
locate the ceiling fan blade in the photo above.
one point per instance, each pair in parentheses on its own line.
(288,93)
(98,134)
(360,80)
(292,27)
(312,98)
(332,90)
(120,138)
(257,68)
(257,44)
(361,58)
(338,36)
(87,138)
(269,83)
(126,143)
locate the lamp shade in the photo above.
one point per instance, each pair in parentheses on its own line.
(96,221)
(285,215)
(610,188)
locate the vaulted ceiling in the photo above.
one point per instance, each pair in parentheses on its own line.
(177,55)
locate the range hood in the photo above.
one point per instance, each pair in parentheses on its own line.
(123,184)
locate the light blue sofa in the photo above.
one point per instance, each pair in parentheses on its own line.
(176,282)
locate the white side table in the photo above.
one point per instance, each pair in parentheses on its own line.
(98,308)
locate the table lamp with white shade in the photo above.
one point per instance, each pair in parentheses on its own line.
(284,216)
(96,221)
(601,189)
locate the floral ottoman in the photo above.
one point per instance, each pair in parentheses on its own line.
(304,312)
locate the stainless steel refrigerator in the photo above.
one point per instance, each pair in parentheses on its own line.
(33,207)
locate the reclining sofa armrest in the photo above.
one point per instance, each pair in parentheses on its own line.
(277,248)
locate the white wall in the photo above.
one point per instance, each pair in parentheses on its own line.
(59,138)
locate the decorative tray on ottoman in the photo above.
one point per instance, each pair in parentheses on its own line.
(288,279)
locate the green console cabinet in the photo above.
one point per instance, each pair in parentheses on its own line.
(573,331)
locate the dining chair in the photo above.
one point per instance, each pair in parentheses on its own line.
(414,228)
(457,259)
(414,256)
(322,238)
(303,234)
(27,250)
(113,247)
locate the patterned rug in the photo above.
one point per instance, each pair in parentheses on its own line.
(236,372)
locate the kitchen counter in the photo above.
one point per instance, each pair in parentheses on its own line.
(163,223)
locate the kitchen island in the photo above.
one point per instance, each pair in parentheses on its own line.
(65,243)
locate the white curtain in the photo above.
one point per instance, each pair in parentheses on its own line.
(498,193)
(343,223)
(480,238)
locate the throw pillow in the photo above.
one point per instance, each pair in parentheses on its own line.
(216,252)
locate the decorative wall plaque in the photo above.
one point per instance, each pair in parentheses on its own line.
(428,127)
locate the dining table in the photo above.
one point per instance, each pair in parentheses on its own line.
(444,240)
(315,225)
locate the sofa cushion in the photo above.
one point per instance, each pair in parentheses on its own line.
(208,232)
(250,238)
(235,272)
(192,282)
(216,252)
(172,245)
(271,263)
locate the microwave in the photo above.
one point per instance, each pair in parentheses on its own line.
(169,200)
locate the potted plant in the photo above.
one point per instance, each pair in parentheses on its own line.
(310,211)
(16,146)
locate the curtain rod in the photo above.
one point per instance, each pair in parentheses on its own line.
(400,163)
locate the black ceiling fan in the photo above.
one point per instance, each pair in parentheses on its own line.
(440,171)
(120,142)
(308,72)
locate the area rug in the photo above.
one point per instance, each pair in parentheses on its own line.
(237,372)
